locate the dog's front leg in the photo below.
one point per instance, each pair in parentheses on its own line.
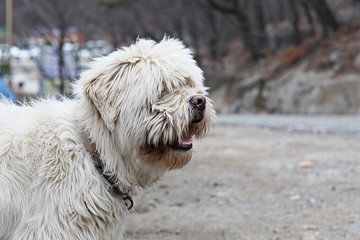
(69,201)
(53,219)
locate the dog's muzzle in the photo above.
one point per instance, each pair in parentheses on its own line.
(198,104)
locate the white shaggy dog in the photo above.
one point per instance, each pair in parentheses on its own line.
(69,169)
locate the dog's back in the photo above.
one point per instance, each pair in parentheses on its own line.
(14,172)
(20,131)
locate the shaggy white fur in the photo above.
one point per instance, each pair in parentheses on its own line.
(137,108)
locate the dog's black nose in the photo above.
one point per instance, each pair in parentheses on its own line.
(198,102)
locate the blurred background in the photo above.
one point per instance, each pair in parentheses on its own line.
(273,56)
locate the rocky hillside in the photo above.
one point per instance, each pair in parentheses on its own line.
(318,77)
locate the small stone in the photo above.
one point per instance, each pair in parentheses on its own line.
(295,197)
(307,236)
(163,186)
(310,228)
(177,231)
(216,184)
(311,202)
(142,208)
(178,204)
(305,164)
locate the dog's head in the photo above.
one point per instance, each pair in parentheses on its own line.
(151,97)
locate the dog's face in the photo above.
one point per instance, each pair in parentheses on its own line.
(152,99)
(180,113)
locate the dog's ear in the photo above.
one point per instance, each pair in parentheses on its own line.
(101,94)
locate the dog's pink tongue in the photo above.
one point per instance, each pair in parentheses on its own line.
(185,143)
(186,140)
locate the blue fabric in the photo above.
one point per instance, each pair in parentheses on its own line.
(6,92)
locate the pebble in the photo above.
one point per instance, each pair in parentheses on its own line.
(295,197)
(305,164)
(178,204)
(216,184)
(141,208)
(307,236)
(310,228)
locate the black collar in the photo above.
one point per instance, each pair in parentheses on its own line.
(110,178)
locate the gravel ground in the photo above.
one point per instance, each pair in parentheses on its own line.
(257,184)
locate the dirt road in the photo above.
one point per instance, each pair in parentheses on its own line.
(257,184)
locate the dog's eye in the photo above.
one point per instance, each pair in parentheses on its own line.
(165,91)
(189,82)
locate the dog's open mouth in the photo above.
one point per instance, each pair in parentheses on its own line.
(184,145)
